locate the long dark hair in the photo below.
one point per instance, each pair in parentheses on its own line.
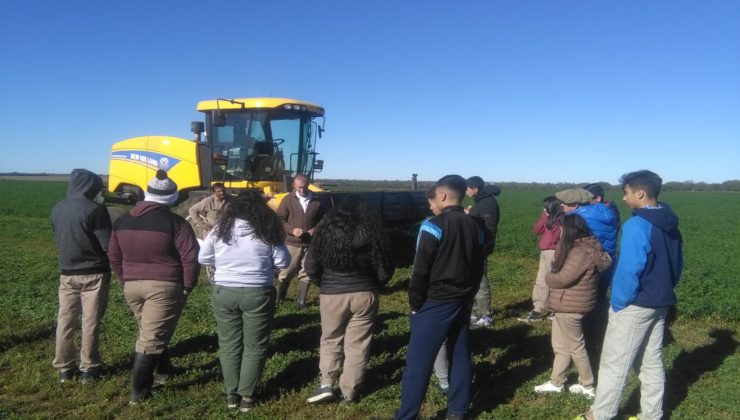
(574,228)
(250,205)
(554,208)
(351,227)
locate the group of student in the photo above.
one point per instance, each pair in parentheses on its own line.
(604,335)
(156,255)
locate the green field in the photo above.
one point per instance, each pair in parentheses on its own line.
(701,353)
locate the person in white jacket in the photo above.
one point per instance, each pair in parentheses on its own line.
(246,248)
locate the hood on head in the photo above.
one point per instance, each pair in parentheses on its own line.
(662,217)
(85,183)
(489,191)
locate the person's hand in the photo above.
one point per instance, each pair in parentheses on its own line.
(467,209)
(310,231)
(297,232)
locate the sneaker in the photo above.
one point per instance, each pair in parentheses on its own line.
(66,375)
(551,316)
(548,387)
(322,394)
(533,316)
(232,401)
(482,322)
(443,388)
(246,405)
(580,389)
(87,376)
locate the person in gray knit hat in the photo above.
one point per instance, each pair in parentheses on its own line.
(154,254)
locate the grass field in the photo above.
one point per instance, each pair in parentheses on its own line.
(701,353)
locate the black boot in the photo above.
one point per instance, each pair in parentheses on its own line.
(302,294)
(142,376)
(165,369)
(282,291)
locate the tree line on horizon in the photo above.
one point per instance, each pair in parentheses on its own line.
(732,185)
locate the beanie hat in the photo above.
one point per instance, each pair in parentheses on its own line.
(475,182)
(596,189)
(161,189)
(574,196)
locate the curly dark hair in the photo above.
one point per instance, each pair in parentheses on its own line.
(350,228)
(250,205)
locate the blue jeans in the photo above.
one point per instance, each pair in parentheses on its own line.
(430,326)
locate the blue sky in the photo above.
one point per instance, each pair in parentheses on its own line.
(543,91)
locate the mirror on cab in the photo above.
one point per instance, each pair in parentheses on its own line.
(219,119)
(318,165)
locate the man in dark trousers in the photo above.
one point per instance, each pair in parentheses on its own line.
(82,229)
(485,208)
(300,212)
(447,270)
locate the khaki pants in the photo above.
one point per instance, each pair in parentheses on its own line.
(347,323)
(567,344)
(84,296)
(297,260)
(540,292)
(157,306)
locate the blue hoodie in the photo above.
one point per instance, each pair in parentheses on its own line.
(650,260)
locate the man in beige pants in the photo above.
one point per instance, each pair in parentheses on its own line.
(81,228)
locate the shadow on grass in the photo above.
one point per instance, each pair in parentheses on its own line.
(687,368)
(514,310)
(292,378)
(43,333)
(524,358)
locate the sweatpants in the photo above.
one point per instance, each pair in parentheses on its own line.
(430,326)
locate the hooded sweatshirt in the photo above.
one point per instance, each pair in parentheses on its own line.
(486,208)
(246,261)
(152,243)
(82,227)
(650,259)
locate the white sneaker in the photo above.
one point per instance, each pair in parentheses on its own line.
(548,387)
(484,321)
(580,389)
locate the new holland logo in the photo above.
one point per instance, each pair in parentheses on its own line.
(151,160)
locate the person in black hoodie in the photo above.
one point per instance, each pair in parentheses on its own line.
(485,208)
(350,261)
(447,270)
(81,228)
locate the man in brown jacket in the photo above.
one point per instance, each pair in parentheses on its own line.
(300,212)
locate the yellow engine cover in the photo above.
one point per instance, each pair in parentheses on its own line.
(135,161)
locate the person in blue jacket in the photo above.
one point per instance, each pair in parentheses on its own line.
(649,268)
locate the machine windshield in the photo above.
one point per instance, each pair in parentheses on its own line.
(261,145)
